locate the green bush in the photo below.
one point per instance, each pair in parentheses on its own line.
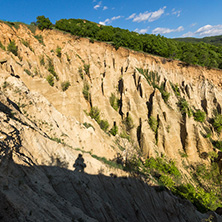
(175,89)
(65,85)
(125,135)
(114,102)
(39,38)
(162,166)
(51,68)
(165,95)
(80,72)
(167,181)
(217,123)
(153,124)
(13,48)
(86,92)
(95,114)
(86,69)
(104,125)
(199,116)
(50,80)
(114,130)
(42,61)
(218,144)
(184,107)
(43,23)
(87,125)
(128,121)
(28,72)
(58,51)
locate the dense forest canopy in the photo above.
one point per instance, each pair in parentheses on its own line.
(214,40)
(199,53)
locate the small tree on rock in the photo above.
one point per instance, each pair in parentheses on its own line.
(43,22)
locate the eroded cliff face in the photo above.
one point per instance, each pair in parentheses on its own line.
(44,125)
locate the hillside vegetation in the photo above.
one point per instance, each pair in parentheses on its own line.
(214,40)
(200,53)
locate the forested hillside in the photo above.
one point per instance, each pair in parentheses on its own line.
(199,53)
(214,40)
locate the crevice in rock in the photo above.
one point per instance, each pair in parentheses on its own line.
(187,89)
(114,63)
(204,105)
(183,133)
(150,104)
(121,71)
(120,88)
(158,124)
(138,133)
(102,87)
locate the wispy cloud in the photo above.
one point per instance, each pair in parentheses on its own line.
(193,24)
(207,30)
(109,21)
(160,30)
(188,34)
(131,16)
(176,12)
(98,5)
(147,16)
(156,15)
(142,31)
(105,7)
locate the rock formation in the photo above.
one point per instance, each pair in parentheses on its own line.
(44,128)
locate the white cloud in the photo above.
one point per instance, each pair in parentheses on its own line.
(105,7)
(108,21)
(156,15)
(147,16)
(142,17)
(97,6)
(209,30)
(177,13)
(188,34)
(160,30)
(141,31)
(131,16)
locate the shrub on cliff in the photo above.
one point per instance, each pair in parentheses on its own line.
(43,23)
(199,116)
(217,123)
(13,48)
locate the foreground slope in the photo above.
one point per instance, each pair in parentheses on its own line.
(44,128)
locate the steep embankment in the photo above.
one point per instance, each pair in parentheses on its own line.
(49,125)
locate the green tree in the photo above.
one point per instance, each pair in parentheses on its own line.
(43,23)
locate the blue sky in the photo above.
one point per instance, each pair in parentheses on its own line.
(170,18)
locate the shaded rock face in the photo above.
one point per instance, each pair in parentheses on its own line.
(44,128)
(50,193)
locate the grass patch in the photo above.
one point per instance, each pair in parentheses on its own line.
(12,48)
(65,85)
(40,39)
(199,116)
(86,91)
(58,52)
(50,80)
(51,68)
(114,102)
(28,72)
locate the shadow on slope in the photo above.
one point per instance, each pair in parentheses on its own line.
(51,193)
